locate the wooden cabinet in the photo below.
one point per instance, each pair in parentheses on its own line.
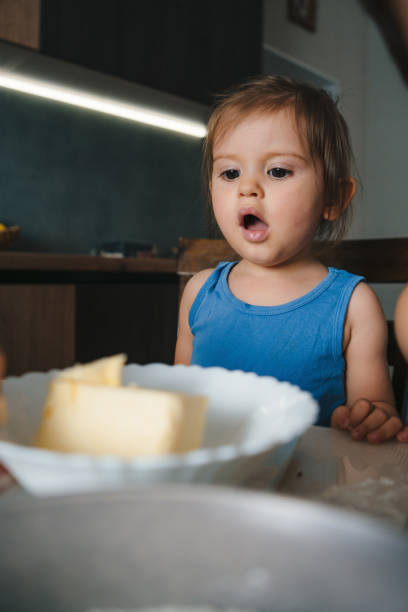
(192,49)
(139,319)
(57,310)
(189,48)
(20,22)
(84,32)
(36,326)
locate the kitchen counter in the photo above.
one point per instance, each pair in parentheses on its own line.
(48,262)
(57,309)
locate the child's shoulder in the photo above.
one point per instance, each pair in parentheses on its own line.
(365,309)
(364,297)
(198,280)
(365,324)
(195,283)
(201,277)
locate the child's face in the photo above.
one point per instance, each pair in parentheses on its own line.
(267,192)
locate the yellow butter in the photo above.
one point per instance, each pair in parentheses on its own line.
(104,371)
(126,421)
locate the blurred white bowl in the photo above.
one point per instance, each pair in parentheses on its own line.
(251,419)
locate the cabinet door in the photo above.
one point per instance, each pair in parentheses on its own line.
(189,48)
(81,31)
(37,325)
(139,320)
(20,22)
(192,49)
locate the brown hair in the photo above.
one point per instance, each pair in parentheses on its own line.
(316,114)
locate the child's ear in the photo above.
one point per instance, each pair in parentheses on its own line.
(347,189)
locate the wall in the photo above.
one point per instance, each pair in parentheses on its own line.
(338,49)
(385,212)
(374,100)
(386,193)
(73,179)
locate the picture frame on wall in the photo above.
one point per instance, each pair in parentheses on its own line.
(303,13)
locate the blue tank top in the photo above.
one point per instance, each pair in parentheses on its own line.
(299,342)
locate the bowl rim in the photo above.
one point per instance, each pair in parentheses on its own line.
(196,458)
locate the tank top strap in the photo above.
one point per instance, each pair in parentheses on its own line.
(219,274)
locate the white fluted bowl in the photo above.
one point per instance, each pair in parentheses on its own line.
(251,419)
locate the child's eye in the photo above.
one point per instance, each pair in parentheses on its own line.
(230,174)
(279,172)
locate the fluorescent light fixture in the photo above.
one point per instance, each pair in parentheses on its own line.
(102,104)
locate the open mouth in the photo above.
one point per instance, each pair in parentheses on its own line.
(253,222)
(253,226)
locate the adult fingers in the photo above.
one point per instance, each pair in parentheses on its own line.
(340,417)
(388,430)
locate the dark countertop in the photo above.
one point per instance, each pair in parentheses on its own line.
(48,262)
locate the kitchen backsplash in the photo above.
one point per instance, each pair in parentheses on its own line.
(73,179)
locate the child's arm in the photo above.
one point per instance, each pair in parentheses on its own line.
(184,344)
(401,322)
(370,411)
(401,333)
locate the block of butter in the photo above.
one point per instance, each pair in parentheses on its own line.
(126,421)
(105,371)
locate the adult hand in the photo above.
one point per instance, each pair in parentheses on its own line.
(368,420)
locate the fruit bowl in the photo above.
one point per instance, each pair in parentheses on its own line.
(8,235)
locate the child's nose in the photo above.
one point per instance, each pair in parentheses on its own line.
(249,186)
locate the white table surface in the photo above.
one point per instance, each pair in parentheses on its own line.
(329,467)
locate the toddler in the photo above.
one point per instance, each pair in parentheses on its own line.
(277,165)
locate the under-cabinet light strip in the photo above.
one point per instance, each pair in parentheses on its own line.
(102,105)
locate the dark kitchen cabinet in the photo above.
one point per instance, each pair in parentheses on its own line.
(59,309)
(36,326)
(139,319)
(83,32)
(188,48)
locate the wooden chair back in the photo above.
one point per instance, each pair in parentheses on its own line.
(195,254)
(382,260)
